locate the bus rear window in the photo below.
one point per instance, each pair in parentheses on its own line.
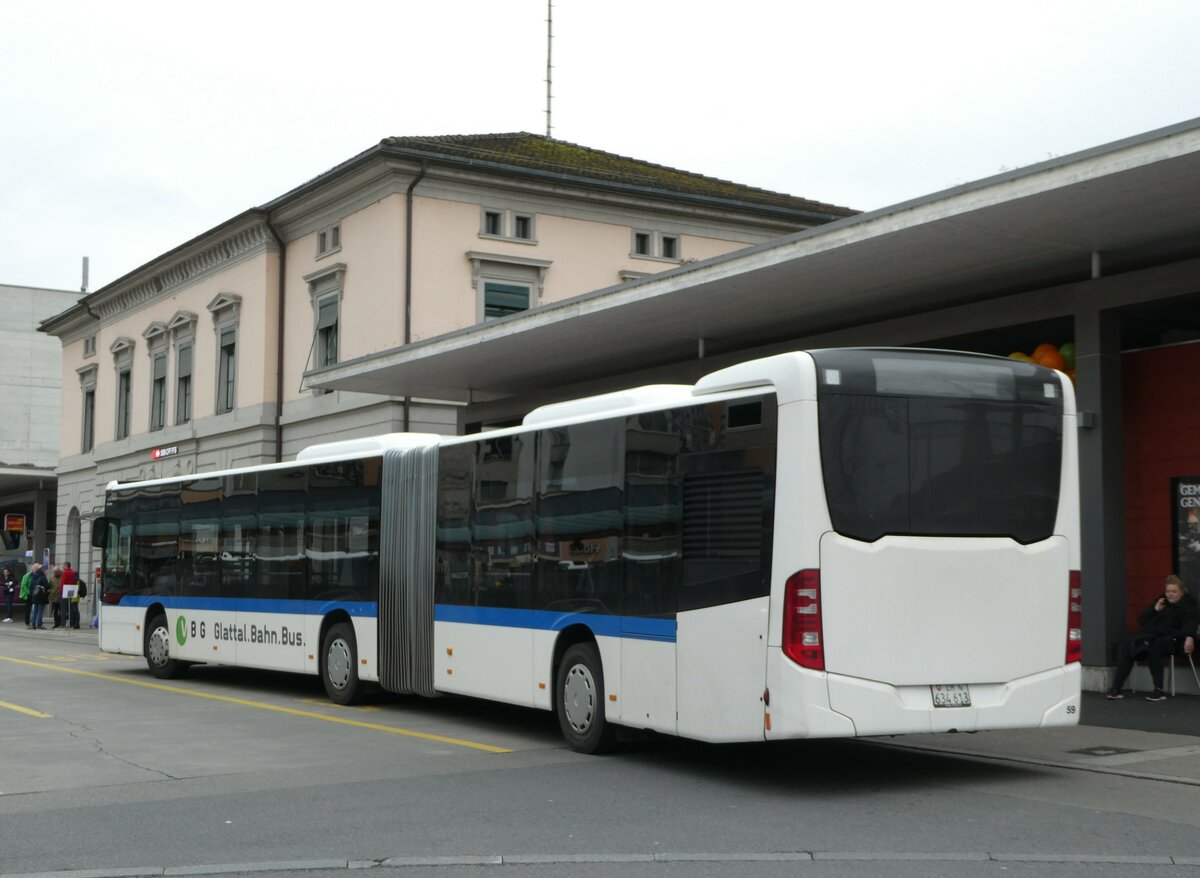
(940,445)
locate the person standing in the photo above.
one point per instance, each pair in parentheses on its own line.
(39,595)
(8,585)
(80,594)
(56,606)
(25,580)
(70,577)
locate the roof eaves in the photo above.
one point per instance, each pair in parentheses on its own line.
(83,306)
(512,170)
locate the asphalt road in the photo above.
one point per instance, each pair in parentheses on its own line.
(227,771)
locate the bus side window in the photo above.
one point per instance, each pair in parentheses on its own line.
(652,514)
(580,518)
(456,480)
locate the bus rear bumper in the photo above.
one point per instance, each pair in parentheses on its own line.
(858,707)
(1049,698)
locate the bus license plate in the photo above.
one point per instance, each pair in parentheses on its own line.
(951,695)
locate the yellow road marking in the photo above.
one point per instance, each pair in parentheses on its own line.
(357,708)
(88,657)
(26,710)
(291,711)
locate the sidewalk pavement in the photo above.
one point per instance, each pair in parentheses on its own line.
(1131,737)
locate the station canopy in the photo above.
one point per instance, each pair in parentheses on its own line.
(1133,202)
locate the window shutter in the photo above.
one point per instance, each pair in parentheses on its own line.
(327,314)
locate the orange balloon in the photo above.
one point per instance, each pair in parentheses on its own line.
(1044,348)
(1051,359)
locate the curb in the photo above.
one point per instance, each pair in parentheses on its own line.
(577,859)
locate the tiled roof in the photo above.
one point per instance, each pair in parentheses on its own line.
(534,152)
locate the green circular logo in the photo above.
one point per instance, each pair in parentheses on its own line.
(181,630)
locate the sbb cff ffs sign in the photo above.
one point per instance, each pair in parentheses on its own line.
(14,521)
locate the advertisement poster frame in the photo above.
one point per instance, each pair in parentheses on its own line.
(1185,529)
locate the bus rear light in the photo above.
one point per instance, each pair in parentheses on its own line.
(1074,618)
(802,620)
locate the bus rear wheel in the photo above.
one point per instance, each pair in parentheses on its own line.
(158,650)
(339,665)
(579,701)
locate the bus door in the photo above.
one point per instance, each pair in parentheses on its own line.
(721,637)
(648,672)
(721,660)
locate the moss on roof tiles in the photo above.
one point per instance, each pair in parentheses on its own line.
(522,150)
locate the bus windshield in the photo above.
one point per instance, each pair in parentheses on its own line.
(911,447)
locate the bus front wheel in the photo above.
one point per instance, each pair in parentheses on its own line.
(339,665)
(158,650)
(580,700)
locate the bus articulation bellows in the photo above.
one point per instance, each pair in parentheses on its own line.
(829,543)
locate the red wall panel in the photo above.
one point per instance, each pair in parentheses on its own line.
(1161,416)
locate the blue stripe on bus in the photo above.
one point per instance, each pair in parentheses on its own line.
(634,627)
(363,609)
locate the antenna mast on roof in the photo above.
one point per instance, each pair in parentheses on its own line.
(549,39)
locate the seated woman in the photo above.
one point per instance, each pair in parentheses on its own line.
(1166,624)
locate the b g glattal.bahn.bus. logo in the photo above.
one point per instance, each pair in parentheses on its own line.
(181,630)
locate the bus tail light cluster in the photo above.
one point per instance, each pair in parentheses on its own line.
(1074,618)
(802,641)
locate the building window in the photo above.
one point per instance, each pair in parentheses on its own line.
(87,385)
(506,284)
(500,300)
(124,387)
(183,384)
(89,346)
(89,418)
(327,331)
(507,224)
(329,239)
(158,390)
(182,327)
(122,351)
(655,245)
(227,369)
(325,289)
(226,310)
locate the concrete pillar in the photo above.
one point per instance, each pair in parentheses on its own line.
(1102,493)
(41,511)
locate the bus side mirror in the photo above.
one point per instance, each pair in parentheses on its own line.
(100,531)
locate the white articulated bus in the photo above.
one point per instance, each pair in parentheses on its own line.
(817,544)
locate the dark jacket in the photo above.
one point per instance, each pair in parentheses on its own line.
(1176,621)
(36,580)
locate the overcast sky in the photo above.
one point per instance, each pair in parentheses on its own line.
(127,128)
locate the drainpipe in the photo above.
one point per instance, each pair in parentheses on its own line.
(279,342)
(408,260)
